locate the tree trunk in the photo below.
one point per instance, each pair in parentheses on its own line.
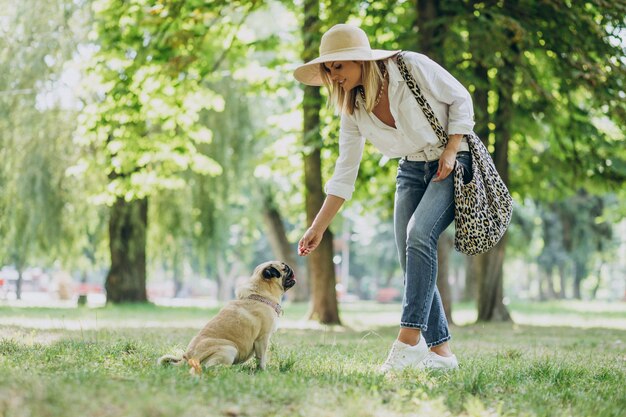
(82,296)
(443,272)
(429,42)
(474,269)
(430,27)
(389,277)
(475,265)
(493,308)
(282,248)
(18,284)
(562,279)
(227,274)
(324,306)
(490,291)
(596,287)
(549,280)
(126,280)
(177,273)
(321,270)
(540,293)
(580,273)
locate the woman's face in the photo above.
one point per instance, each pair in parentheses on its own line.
(345,73)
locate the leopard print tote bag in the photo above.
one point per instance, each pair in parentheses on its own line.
(483,206)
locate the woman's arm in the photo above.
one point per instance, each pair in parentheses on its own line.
(341,185)
(313,236)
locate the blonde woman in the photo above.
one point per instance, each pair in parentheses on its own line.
(374,102)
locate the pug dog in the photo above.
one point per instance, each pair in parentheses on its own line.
(243,327)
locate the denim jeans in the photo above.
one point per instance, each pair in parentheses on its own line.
(423,210)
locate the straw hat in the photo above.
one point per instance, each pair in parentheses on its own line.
(340,43)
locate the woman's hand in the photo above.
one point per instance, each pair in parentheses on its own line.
(313,236)
(446,164)
(448,157)
(311,239)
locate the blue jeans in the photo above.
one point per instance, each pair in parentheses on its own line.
(423,210)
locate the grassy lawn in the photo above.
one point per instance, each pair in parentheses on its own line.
(102,362)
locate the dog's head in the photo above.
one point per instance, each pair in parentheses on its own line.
(270,279)
(279,271)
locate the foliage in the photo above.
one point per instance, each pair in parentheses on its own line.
(37,204)
(214,223)
(150,68)
(569,117)
(575,236)
(193,104)
(569,74)
(159,121)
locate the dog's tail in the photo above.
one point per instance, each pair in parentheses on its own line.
(170,359)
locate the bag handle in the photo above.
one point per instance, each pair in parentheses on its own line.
(421,100)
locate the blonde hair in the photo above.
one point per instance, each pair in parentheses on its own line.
(345,102)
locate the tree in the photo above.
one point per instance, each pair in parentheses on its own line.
(35,132)
(278,239)
(151,67)
(214,225)
(584,233)
(225,214)
(537,92)
(546,106)
(430,42)
(321,269)
(553,254)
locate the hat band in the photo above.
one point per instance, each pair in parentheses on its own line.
(366,51)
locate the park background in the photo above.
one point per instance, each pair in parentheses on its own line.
(159,150)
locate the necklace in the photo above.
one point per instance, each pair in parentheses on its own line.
(380,89)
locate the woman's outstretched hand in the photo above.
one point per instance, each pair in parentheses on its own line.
(309,241)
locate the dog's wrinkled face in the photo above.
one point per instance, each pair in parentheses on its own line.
(279,270)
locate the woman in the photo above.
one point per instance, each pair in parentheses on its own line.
(368,90)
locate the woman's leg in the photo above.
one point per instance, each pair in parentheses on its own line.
(410,187)
(424,209)
(418,205)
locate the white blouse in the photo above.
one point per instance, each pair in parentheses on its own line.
(448,98)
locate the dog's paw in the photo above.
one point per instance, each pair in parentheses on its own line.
(196,368)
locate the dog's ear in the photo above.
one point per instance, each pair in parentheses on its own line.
(271,272)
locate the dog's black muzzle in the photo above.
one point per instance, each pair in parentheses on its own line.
(289,279)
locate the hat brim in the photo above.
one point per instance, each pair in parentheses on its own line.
(309,73)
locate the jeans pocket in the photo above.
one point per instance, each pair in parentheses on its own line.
(465,160)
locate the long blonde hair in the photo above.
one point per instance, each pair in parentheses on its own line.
(372,77)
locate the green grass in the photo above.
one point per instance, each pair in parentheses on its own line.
(68,362)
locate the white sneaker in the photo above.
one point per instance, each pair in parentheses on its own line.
(403,356)
(434,361)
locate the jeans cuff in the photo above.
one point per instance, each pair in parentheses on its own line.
(440,341)
(422,327)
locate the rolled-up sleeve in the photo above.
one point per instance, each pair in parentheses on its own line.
(351,144)
(447,89)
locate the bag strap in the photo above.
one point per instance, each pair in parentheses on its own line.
(421,100)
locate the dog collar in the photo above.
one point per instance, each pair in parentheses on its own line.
(275,306)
